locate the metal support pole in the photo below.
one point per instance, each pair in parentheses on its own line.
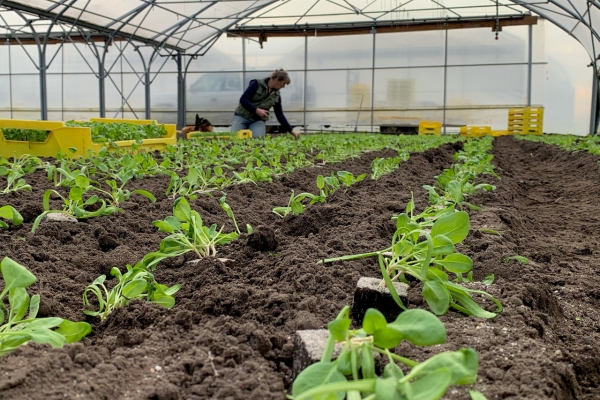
(374,32)
(305,90)
(181,106)
(594,115)
(445,81)
(10,85)
(101,87)
(147,83)
(530,66)
(244,63)
(43,85)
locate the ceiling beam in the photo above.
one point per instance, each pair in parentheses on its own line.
(263,32)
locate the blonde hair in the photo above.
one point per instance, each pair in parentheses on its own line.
(281,75)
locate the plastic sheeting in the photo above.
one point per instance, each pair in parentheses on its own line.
(191,25)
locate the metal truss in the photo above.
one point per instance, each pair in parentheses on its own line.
(188,28)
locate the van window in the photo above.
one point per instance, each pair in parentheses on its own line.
(207,83)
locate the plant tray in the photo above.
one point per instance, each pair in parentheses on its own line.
(73,141)
(243,134)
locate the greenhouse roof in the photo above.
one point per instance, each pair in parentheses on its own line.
(192,26)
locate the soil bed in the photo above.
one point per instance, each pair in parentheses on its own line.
(230,334)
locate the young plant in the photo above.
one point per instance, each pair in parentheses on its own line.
(348,179)
(227,208)
(9,212)
(352,374)
(20,324)
(295,205)
(74,205)
(186,186)
(15,171)
(423,247)
(136,283)
(118,194)
(186,233)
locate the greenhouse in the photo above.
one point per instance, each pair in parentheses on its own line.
(373,64)
(292,199)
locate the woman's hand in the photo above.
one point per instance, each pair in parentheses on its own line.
(261,112)
(295,133)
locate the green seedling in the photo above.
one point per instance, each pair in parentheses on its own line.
(427,252)
(521,259)
(15,171)
(198,180)
(20,324)
(136,283)
(384,166)
(111,132)
(65,176)
(348,179)
(227,208)
(25,135)
(295,205)
(118,194)
(9,212)
(490,231)
(74,205)
(352,375)
(187,233)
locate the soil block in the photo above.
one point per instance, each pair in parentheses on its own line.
(369,294)
(308,348)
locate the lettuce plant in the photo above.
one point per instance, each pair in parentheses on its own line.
(74,204)
(15,171)
(19,322)
(136,283)
(423,247)
(352,374)
(187,233)
(295,205)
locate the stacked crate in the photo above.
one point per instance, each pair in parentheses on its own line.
(525,121)
(430,128)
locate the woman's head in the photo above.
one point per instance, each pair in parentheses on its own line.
(281,76)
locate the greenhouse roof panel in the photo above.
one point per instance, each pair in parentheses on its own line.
(187,25)
(178,24)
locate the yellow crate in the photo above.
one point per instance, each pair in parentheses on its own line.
(430,128)
(500,133)
(526,121)
(72,141)
(242,134)
(470,131)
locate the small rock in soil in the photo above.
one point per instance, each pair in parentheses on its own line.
(59,217)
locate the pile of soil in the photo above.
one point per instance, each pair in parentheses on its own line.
(230,334)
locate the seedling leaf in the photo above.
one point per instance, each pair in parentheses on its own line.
(373,320)
(74,331)
(455,226)
(420,327)
(457,263)
(437,297)
(318,374)
(521,259)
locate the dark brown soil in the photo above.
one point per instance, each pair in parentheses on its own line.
(229,335)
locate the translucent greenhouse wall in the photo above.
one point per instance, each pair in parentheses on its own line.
(459,77)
